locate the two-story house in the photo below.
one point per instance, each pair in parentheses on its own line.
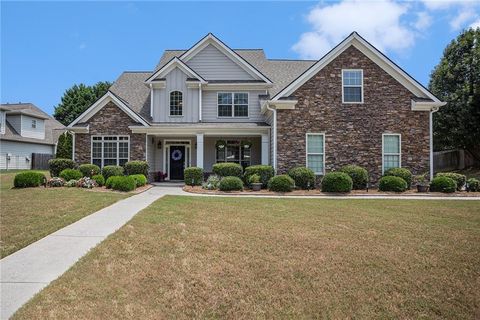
(212,104)
(25,130)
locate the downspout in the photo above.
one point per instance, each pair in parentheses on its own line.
(433,110)
(274,136)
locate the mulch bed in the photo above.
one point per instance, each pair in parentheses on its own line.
(317,192)
(103,189)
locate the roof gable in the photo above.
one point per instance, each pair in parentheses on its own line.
(210,42)
(373,54)
(171,65)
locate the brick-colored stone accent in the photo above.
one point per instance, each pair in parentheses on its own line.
(353,132)
(110,120)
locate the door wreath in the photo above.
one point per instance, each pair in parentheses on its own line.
(176,155)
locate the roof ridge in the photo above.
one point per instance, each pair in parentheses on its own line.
(279,59)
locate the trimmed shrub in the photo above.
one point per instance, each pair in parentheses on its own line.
(71,183)
(28,179)
(99,179)
(265,172)
(228,169)
(111,171)
(403,173)
(89,170)
(193,176)
(231,184)
(87,183)
(109,182)
(443,184)
(212,182)
(136,167)
(359,176)
(69,174)
(123,183)
(55,182)
(140,179)
(460,179)
(392,183)
(473,185)
(254,178)
(58,165)
(303,177)
(281,183)
(337,182)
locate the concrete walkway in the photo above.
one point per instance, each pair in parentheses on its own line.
(27,271)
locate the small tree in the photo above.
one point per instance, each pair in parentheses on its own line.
(64,146)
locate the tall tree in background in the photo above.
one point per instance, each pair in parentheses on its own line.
(64,146)
(77,99)
(456,80)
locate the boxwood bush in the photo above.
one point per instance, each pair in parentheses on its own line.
(70,174)
(136,167)
(140,179)
(89,170)
(303,177)
(443,184)
(359,176)
(265,172)
(110,171)
(193,176)
(110,180)
(230,184)
(473,185)
(123,183)
(228,169)
(28,179)
(99,179)
(337,182)
(58,165)
(460,179)
(281,183)
(403,173)
(392,183)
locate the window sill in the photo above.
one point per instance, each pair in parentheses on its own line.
(170,116)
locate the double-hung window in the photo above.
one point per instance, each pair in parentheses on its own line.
(392,151)
(176,103)
(316,152)
(232,104)
(110,150)
(352,86)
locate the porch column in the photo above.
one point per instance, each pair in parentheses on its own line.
(200,150)
(265,148)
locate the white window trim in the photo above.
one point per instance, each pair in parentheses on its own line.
(170,104)
(232,93)
(102,141)
(391,154)
(313,153)
(166,153)
(353,86)
(241,152)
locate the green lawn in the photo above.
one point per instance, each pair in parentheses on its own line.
(191,257)
(32,213)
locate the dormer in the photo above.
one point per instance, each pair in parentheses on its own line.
(26,124)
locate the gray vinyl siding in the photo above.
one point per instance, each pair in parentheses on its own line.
(175,81)
(16,122)
(210,112)
(19,152)
(29,132)
(212,64)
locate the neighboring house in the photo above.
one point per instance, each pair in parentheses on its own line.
(24,130)
(353,106)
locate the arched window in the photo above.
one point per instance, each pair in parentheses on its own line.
(176,103)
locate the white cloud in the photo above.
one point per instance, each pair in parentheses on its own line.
(377,21)
(424,20)
(440,4)
(465,15)
(475,25)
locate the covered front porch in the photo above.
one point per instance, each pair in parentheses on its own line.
(171,149)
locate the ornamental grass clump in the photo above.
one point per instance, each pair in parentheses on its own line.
(337,182)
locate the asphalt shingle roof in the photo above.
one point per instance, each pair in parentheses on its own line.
(53,128)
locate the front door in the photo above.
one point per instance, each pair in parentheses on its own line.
(177,162)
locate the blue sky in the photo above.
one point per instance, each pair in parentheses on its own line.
(46,47)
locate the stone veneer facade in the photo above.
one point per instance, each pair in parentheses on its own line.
(353,132)
(110,120)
